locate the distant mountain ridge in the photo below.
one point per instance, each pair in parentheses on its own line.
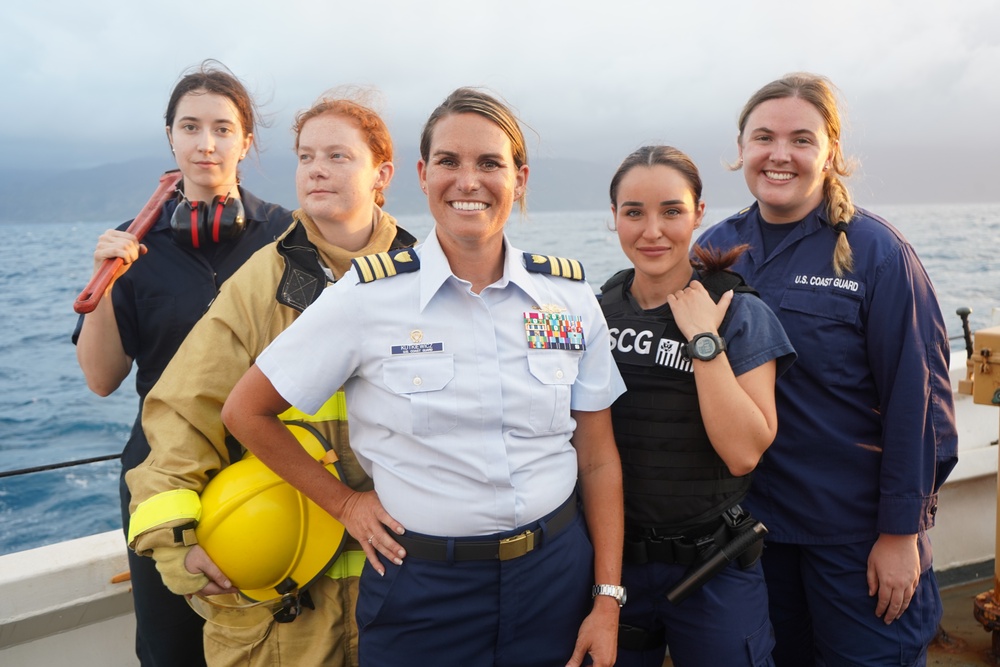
(116,192)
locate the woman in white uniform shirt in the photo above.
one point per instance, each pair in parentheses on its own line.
(479,380)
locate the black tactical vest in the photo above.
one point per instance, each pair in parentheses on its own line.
(673,478)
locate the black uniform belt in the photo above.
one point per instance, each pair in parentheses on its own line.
(462,549)
(646,546)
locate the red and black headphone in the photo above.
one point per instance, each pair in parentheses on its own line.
(196,223)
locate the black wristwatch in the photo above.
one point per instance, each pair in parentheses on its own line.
(616,592)
(704,346)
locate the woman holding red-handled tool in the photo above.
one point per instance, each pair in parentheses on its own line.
(202,236)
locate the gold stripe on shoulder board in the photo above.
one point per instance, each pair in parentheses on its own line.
(553,266)
(386,264)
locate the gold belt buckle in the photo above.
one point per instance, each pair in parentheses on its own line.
(517,546)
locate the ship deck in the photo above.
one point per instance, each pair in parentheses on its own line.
(961,641)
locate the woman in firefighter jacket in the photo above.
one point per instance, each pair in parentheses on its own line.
(699,355)
(344,163)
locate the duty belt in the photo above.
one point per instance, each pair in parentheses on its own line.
(678,549)
(647,546)
(508,548)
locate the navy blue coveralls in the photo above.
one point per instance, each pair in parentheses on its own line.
(157,301)
(866,434)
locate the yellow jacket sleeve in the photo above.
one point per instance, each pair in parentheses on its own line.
(182,413)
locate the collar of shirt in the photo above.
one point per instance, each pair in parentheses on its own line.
(751,234)
(435,270)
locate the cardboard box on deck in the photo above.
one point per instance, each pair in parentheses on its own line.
(986,366)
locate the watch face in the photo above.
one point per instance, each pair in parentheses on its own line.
(704,347)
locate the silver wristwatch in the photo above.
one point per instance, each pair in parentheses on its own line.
(616,592)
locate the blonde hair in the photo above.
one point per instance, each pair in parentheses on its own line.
(818,91)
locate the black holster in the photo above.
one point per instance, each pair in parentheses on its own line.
(745,543)
(739,521)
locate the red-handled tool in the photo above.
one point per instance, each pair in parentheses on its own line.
(150,213)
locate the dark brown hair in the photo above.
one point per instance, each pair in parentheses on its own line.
(665,156)
(706,259)
(709,259)
(211,76)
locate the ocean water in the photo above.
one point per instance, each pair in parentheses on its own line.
(48,415)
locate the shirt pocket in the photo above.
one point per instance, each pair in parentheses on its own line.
(553,373)
(824,327)
(426,382)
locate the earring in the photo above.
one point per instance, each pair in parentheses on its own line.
(826,167)
(243,156)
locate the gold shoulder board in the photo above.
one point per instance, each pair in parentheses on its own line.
(553,266)
(386,264)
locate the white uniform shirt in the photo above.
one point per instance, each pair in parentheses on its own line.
(462,427)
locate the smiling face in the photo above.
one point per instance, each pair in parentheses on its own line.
(471,181)
(785,147)
(655,216)
(208,142)
(336,179)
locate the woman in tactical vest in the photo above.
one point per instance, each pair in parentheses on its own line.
(699,354)
(203,235)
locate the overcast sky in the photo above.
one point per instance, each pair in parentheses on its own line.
(86,83)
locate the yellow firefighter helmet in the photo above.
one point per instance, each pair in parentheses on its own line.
(266,536)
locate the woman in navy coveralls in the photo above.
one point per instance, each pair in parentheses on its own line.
(866,427)
(162,289)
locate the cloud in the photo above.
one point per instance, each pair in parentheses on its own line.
(592,80)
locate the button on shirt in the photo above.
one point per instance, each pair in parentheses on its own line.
(464,428)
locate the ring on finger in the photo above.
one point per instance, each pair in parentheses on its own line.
(370,538)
